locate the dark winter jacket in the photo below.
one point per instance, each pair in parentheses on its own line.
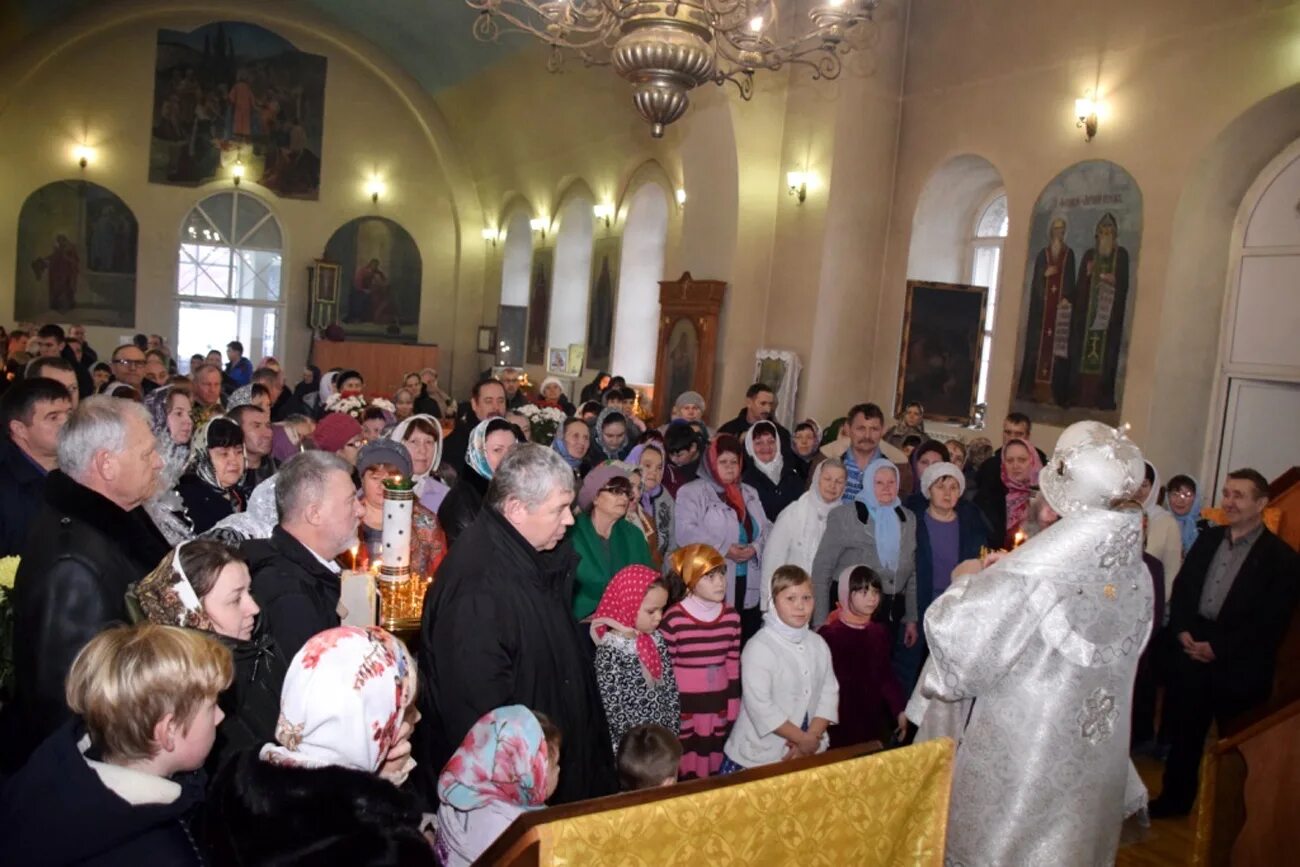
(252,701)
(263,814)
(298,595)
(462,504)
(22,487)
(972,535)
(82,553)
(774,497)
(497,630)
(205,504)
(58,810)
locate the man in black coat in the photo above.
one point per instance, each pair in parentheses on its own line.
(296,582)
(498,629)
(1232,603)
(760,403)
(32,413)
(89,541)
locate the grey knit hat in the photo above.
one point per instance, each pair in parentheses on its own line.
(384,451)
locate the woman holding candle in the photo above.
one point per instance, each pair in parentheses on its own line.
(488,444)
(380,461)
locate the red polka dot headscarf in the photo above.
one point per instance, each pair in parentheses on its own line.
(619,607)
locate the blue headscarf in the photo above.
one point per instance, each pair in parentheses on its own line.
(558,446)
(476,453)
(1187,523)
(888,530)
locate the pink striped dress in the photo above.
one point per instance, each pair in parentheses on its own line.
(706,659)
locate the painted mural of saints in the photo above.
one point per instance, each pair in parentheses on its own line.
(1097,324)
(1045,368)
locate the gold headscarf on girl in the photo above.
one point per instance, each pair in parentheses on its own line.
(693,562)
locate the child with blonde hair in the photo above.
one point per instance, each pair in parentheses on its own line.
(122,771)
(789,692)
(702,633)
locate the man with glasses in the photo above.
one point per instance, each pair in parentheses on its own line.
(128,366)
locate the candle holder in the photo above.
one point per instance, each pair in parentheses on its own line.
(401,595)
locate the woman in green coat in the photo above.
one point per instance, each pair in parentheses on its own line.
(605,542)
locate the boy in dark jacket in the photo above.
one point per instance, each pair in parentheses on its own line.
(117,784)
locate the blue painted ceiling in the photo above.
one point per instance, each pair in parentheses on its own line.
(430,39)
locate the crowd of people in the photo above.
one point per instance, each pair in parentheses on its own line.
(616,601)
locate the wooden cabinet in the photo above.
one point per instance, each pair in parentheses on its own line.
(688,339)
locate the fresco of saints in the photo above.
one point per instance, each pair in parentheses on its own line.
(1097,323)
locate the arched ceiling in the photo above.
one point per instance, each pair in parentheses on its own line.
(430,39)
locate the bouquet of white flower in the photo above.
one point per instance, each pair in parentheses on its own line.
(544,421)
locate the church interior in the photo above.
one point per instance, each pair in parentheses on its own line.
(526,211)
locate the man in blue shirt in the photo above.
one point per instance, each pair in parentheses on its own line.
(240,369)
(32,412)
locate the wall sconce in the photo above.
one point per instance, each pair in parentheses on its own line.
(1086,110)
(798,184)
(490,235)
(538,224)
(237,171)
(375,188)
(681,197)
(603,211)
(83,154)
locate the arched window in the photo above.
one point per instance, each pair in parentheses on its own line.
(636,316)
(572,281)
(228,277)
(516,266)
(985,264)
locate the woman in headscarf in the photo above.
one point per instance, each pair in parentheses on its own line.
(403,404)
(552,393)
(766,472)
(718,509)
(1164,536)
(173,427)
(572,441)
(489,442)
(210,486)
(605,542)
(204,585)
(609,437)
(798,532)
(327,790)
(910,422)
(1184,500)
(595,389)
(656,508)
(318,401)
(508,764)
(422,437)
(1006,514)
(876,531)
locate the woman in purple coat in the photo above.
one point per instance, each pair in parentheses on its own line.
(717,509)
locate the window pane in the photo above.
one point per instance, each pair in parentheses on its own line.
(264,237)
(981,393)
(219,210)
(993,222)
(248,213)
(258,275)
(201,328)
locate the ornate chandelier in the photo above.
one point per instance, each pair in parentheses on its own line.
(666,48)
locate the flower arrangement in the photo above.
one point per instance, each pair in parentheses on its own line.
(544,421)
(8,571)
(354,404)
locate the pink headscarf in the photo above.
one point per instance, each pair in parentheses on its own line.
(502,759)
(619,607)
(1020,493)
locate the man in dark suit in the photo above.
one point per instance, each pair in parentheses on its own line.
(1231,606)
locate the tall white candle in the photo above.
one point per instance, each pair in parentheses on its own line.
(399,505)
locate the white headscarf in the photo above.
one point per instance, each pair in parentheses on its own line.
(772,469)
(815,509)
(255,522)
(398,435)
(327,389)
(1151,505)
(343,700)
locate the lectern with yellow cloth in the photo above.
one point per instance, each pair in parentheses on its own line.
(840,808)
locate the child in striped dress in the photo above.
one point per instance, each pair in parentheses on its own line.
(703,637)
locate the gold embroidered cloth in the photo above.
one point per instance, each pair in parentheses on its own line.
(885,809)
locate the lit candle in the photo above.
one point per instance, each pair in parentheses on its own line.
(1018,539)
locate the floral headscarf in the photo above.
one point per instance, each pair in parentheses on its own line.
(343,700)
(503,759)
(734,497)
(242,396)
(619,606)
(175,455)
(888,530)
(1020,493)
(168,598)
(476,452)
(217,432)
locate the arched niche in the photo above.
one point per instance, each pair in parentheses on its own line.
(76,256)
(571,283)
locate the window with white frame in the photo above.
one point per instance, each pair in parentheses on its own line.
(516,271)
(571,285)
(636,315)
(985,265)
(228,277)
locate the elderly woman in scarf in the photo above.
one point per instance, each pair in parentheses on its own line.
(718,509)
(1006,514)
(654,510)
(572,441)
(173,427)
(210,487)
(421,435)
(508,764)
(332,776)
(874,530)
(489,442)
(798,531)
(1184,499)
(204,585)
(766,471)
